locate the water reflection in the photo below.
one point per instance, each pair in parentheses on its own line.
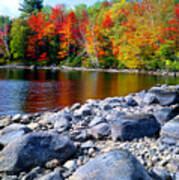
(27,91)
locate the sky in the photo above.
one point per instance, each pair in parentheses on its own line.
(10,7)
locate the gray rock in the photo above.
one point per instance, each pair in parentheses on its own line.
(70,164)
(13,132)
(107,107)
(166,113)
(33,174)
(166,96)
(177,176)
(134,127)
(48,118)
(75,106)
(140,96)
(85,110)
(79,135)
(52,176)
(87,145)
(62,124)
(5,121)
(16,117)
(114,116)
(52,164)
(170,131)
(162,174)
(35,149)
(51,118)
(130,101)
(10,178)
(114,165)
(100,131)
(149,98)
(97,120)
(115,100)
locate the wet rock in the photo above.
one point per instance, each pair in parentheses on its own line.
(100,131)
(35,149)
(134,126)
(170,131)
(114,165)
(13,132)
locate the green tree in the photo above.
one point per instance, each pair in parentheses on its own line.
(18,35)
(31,6)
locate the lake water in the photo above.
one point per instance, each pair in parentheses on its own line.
(28,91)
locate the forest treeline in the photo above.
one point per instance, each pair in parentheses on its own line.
(110,34)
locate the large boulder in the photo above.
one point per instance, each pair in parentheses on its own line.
(12,132)
(114,165)
(165,95)
(134,126)
(35,149)
(170,131)
(166,113)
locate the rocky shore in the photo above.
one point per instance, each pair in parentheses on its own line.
(120,138)
(67,68)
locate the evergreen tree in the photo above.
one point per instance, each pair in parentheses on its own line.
(31,6)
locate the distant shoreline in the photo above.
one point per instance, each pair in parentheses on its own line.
(130,71)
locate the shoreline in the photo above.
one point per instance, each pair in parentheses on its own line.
(67,68)
(83,133)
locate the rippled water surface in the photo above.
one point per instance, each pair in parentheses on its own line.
(27,91)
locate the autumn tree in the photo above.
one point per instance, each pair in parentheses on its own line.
(36,49)
(4,36)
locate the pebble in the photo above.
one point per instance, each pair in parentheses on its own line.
(152,152)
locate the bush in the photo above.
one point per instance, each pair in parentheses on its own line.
(172,65)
